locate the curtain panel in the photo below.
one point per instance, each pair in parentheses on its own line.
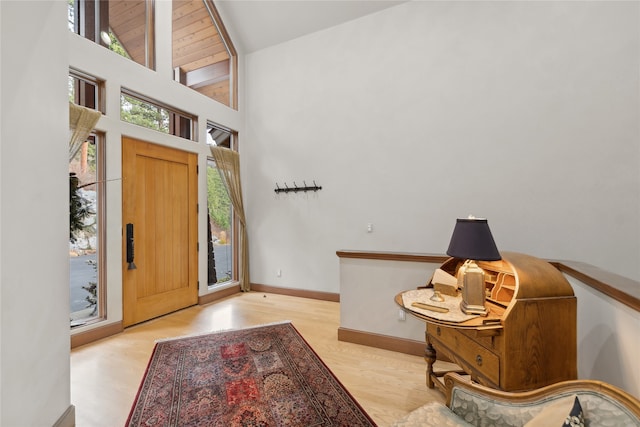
(82,120)
(228,164)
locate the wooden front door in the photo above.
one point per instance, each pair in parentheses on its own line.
(159,199)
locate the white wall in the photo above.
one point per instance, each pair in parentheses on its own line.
(522,112)
(608,343)
(34,186)
(367,292)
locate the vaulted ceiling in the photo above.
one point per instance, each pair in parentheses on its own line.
(201,58)
(257,24)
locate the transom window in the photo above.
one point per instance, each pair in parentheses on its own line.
(142,111)
(86,90)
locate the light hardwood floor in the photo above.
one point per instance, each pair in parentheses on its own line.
(105,375)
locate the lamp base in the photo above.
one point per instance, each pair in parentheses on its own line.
(473,290)
(473,309)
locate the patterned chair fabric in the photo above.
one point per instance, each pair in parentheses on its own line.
(474,405)
(599,410)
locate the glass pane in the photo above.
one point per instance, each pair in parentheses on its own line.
(220,228)
(123,26)
(128,30)
(83,235)
(138,112)
(220,216)
(84,91)
(71,15)
(143,112)
(202,58)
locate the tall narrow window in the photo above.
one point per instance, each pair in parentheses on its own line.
(87,275)
(221,254)
(124,26)
(86,248)
(204,58)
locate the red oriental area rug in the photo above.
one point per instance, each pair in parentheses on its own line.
(260,376)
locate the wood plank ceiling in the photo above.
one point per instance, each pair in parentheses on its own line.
(199,51)
(200,57)
(127,21)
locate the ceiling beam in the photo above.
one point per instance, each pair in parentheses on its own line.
(210,74)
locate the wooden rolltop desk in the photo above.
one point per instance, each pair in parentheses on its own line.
(528,339)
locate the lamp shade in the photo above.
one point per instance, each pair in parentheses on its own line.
(472,239)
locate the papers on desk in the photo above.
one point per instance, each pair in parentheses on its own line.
(445,283)
(452,304)
(441,277)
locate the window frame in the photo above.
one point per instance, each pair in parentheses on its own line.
(178,125)
(80,93)
(95,101)
(233,54)
(234,223)
(101,219)
(91,21)
(204,76)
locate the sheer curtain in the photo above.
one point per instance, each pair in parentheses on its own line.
(228,164)
(82,120)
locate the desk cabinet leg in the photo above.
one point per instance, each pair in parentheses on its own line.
(430,357)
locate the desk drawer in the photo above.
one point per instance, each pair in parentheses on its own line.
(471,354)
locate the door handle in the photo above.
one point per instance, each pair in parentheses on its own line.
(129,237)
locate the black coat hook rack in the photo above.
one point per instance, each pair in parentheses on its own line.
(295,187)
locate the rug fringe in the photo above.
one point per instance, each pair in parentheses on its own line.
(218,331)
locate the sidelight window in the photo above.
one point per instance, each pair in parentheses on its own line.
(86,242)
(221,247)
(87,261)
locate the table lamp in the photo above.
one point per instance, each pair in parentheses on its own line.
(472,241)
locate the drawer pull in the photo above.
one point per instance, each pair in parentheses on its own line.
(438,330)
(479,360)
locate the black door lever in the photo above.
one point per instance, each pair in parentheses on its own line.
(131,265)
